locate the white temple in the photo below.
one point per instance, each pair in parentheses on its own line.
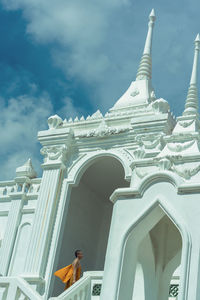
(124,188)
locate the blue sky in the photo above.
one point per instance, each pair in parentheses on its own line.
(74,57)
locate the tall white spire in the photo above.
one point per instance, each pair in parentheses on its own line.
(144,70)
(191,105)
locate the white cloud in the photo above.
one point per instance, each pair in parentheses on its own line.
(101,42)
(21,119)
(80,35)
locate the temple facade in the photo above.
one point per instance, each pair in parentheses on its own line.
(124,188)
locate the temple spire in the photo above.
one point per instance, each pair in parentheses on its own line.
(144,70)
(191,105)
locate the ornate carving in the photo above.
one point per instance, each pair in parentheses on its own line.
(139,153)
(135,92)
(54,153)
(149,141)
(164,164)
(140,174)
(160,105)
(55,122)
(186,123)
(179,147)
(186,172)
(104,130)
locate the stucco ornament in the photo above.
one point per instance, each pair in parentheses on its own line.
(55,122)
(160,105)
(104,130)
(149,141)
(135,92)
(141,174)
(186,173)
(54,153)
(179,147)
(186,124)
(164,164)
(139,153)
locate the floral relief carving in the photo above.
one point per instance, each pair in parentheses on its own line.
(104,130)
(178,147)
(149,141)
(186,173)
(186,123)
(54,153)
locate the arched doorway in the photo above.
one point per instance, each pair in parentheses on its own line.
(88,218)
(155,245)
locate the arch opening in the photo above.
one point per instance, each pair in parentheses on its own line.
(87,222)
(154,246)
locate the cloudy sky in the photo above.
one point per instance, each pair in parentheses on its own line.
(72,57)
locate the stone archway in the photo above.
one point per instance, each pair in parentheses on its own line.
(88,218)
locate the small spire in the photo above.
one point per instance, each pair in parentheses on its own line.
(191,105)
(144,70)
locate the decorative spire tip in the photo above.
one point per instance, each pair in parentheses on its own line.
(152,15)
(197,38)
(197,42)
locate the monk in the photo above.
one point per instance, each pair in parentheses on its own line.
(70,274)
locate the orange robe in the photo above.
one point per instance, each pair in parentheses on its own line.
(66,275)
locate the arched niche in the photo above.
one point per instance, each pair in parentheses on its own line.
(155,244)
(87,221)
(20,249)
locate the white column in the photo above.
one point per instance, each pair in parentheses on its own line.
(44,220)
(192,288)
(10,233)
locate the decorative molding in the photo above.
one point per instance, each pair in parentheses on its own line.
(164,164)
(186,173)
(140,174)
(179,147)
(139,153)
(149,141)
(160,105)
(185,124)
(53,153)
(104,130)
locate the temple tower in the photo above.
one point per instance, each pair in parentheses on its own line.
(123,187)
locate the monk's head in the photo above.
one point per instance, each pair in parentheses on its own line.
(78,254)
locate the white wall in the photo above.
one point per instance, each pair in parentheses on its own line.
(21,245)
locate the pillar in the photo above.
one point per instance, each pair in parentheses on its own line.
(54,168)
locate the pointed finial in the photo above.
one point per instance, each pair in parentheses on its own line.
(191,105)
(152,16)
(26,170)
(144,71)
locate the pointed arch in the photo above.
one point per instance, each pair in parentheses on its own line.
(151,216)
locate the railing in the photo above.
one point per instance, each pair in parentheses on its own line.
(9,187)
(174,288)
(87,288)
(15,288)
